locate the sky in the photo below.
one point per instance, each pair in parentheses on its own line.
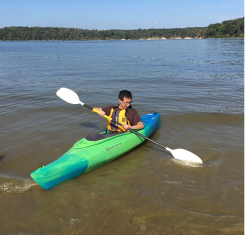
(118,14)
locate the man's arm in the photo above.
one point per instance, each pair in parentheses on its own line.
(138,126)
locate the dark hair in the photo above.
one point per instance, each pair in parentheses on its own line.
(125,93)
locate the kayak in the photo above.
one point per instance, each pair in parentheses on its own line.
(86,155)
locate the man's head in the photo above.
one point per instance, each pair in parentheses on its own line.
(125,99)
(126,94)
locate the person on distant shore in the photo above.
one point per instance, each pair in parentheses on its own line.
(123,113)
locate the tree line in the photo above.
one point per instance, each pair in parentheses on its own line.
(226,29)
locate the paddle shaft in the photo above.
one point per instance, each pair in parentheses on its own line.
(120,124)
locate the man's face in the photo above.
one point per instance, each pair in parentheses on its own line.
(125,103)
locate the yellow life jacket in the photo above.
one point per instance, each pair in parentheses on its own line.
(119,116)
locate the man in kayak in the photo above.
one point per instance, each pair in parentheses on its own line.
(123,113)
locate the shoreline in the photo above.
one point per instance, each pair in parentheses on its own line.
(123,39)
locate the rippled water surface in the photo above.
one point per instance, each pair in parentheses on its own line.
(198,88)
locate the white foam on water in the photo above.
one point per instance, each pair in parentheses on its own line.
(15,185)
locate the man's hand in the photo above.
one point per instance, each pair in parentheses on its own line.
(99,111)
(125,126)
(102,113)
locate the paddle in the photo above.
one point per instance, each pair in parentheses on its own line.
(180,154)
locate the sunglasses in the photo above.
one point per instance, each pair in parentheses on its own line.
(127,103)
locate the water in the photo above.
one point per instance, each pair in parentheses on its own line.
(196,85)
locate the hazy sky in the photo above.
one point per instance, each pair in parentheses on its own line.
(118,14)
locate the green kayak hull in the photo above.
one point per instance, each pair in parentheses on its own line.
(86,155)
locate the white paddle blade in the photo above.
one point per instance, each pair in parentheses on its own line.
(68,95)
(184,155)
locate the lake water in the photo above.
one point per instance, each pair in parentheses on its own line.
(198,88)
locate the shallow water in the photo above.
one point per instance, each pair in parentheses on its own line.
(196,85)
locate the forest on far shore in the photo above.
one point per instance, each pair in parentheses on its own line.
(226,29)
